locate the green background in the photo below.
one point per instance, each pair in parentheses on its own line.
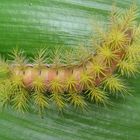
(32,24)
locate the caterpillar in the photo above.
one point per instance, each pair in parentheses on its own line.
(94,77)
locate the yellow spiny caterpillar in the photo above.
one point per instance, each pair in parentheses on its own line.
(74,77)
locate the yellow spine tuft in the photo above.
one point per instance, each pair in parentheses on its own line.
(98,96)
(115,85)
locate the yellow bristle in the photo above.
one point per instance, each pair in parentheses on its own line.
(98,96)
(71,84)
(40,58)
(5,93)
(115,85)
(58,100)
(16,81)
(117,39)
(20,101)
(69,57)
(136,33)
(97,68)
(128,68)
(4,68)
(82,54)
(127,19)
(86,80)
(77,100)
(108,55)
(133,53)
(38,84)
(56,86)
(56,58)
(18,58)
(40,101)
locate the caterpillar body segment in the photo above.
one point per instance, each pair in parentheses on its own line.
(93,77)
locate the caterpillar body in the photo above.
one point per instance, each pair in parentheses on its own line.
(95,77)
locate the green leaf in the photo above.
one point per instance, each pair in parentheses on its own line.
(34,24)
